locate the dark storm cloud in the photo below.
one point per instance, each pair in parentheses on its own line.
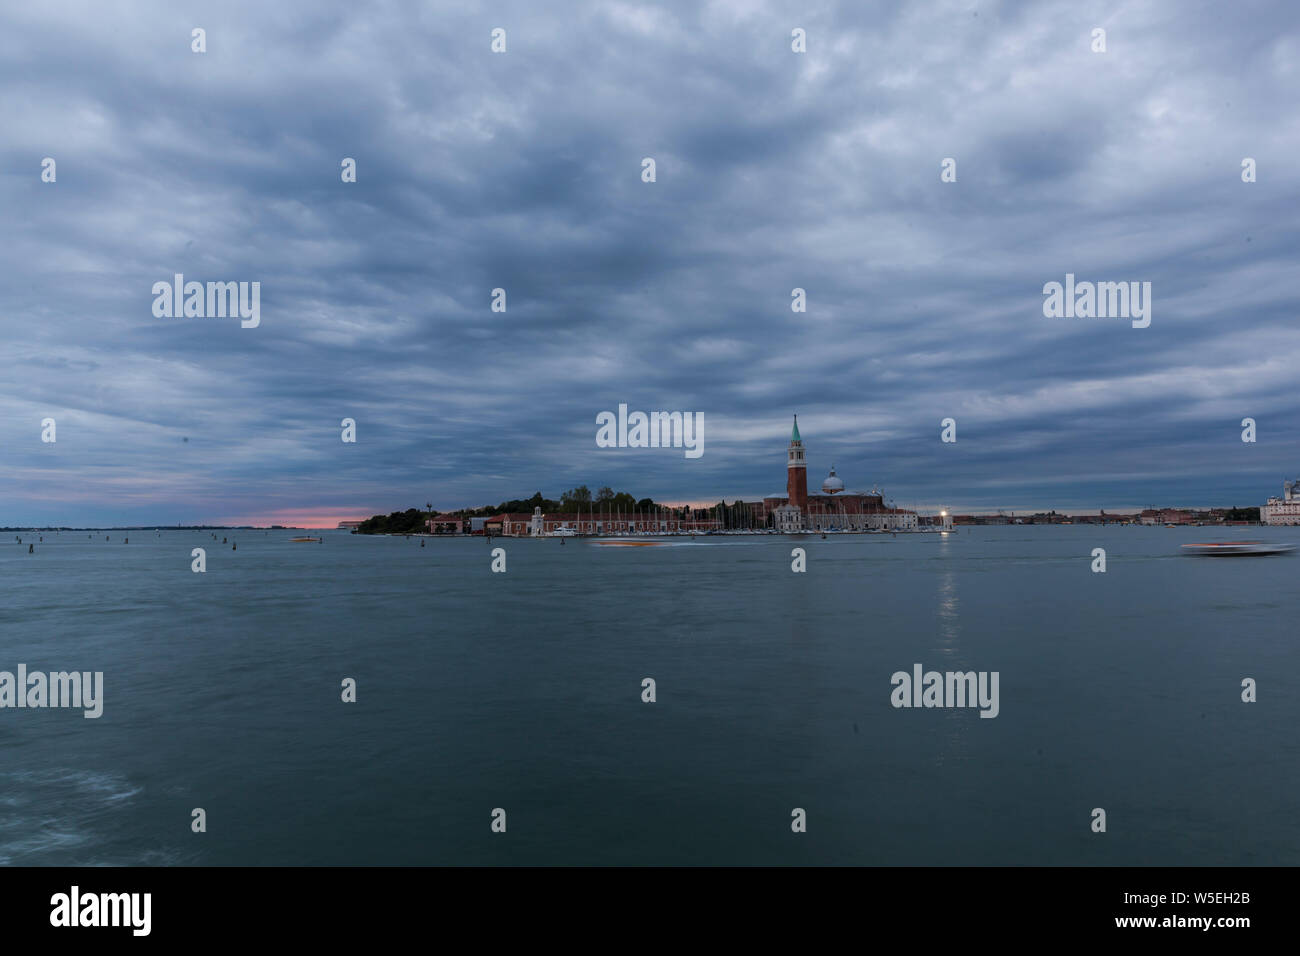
(522,171)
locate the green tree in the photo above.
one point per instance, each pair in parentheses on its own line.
(576,499)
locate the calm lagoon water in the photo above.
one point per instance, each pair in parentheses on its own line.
(523,691)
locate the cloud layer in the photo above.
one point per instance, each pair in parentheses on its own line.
(522,171)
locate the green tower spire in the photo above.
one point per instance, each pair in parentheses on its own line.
(794,435)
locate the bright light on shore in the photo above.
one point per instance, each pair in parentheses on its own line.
(943,514)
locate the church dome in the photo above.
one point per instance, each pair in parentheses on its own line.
(833,484)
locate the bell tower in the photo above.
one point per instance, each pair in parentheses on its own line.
(796,486)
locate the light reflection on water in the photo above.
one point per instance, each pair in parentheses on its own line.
(522,690)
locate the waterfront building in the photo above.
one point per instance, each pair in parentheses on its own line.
(1284,510)
(1163,516)
(835,509)
(446,524)
(349,525)
(540,524)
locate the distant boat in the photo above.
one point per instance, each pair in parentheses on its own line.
(313,540)
(1237,548)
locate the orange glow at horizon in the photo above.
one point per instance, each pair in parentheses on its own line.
(317,518)
(294,518)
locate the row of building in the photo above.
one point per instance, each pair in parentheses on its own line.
(538,524)
(834,509)
(1045,517)
(1148,516)
(1278,511)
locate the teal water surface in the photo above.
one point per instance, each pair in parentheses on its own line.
(522,691)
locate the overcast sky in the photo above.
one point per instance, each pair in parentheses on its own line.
(523,171)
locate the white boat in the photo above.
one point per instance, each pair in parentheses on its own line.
(562,533)
(1237,548)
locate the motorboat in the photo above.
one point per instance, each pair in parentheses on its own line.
(1237,548)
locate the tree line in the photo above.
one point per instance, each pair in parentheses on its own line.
(573,500)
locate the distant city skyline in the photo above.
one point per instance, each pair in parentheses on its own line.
(319,518)
(820,173)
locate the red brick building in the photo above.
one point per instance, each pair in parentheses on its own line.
(538,524)
(446,524)
(834,508)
